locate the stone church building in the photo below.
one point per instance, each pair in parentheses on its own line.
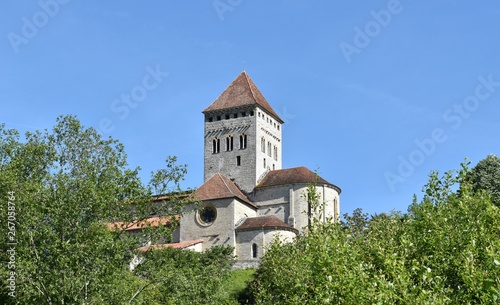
(247,198)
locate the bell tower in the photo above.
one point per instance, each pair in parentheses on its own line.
(242,135)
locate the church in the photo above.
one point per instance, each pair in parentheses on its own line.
(247,198)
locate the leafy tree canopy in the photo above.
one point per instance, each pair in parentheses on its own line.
(59,189)
(445,250)
(486,176)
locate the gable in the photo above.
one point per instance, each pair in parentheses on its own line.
(218,187)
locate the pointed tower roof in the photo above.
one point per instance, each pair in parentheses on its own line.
(242,92)
(218,187)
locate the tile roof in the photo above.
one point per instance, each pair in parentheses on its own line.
(136,225)
(242,92)
(179,245)
(219,186)
(264,222)
(292,175)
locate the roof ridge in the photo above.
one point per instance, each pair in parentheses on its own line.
(220,186)
(242,92)
(225,184)
(247,77)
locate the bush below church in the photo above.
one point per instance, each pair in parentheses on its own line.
(445,250)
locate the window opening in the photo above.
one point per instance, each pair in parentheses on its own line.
(269,149)
(309,212)
(207,215)
(216,146)
(238,160)
(229,143)
(263,145)
(254,250)
(243,141)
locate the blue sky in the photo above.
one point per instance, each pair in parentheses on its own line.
(375,94)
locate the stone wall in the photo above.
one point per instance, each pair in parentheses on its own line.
(251,245)
(269,129)
(289,203)
(225,161)
(255,124)
(220,231)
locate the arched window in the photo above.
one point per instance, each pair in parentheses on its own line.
(229,143)
(269,149)
(254,250)
(216,146)
(243,141)
(263,145)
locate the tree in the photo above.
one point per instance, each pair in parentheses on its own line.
(174,276)
(486,176)
(445,250)
(356,223)
(58,190)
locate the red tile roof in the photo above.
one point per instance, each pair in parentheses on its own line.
(179,245)
(219,186)
(264,222)
(136,225)
(242,92)
(292,175)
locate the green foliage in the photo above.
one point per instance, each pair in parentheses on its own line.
(236,286)
(486,176)
(356,223)
(173,276)
(445,250)
(66,185)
